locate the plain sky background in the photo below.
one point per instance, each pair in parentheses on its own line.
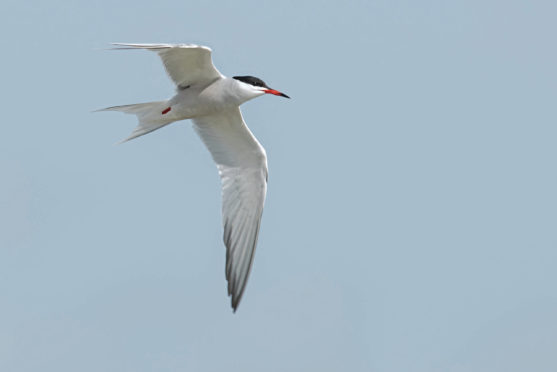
(411,214)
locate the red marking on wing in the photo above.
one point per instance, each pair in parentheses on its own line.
(166,110)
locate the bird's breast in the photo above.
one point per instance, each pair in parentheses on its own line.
(191,103)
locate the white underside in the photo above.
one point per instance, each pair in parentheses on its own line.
(213,101)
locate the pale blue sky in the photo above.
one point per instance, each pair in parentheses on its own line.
(411,209)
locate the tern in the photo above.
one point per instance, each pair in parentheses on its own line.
(213,101)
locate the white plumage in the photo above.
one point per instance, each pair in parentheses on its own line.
(212,101)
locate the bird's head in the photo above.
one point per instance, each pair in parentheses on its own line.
(256,86)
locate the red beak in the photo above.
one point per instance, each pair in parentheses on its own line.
(275,92)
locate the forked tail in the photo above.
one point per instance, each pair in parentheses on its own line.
(151,116)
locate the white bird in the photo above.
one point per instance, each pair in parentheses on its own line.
(212,101)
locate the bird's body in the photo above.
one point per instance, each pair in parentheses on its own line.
(194,101)
(212,101)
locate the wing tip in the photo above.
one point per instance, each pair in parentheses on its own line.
(234,303)
(155,47)
(235,296)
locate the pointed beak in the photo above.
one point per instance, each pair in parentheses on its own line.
(275,92)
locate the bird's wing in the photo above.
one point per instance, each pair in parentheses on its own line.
(186,64)
(242,166)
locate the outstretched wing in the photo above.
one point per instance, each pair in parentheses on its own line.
(242,166)
(186,64)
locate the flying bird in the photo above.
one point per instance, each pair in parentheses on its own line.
(213,101)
